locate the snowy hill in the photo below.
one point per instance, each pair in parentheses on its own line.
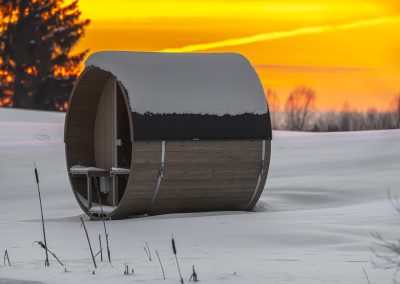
(325,194)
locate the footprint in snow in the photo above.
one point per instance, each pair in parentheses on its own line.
(42,136)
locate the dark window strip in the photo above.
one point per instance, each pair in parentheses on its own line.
(197,126)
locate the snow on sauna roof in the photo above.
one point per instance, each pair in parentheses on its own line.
(185,83)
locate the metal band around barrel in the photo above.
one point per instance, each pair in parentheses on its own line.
(260,174)
(160,174)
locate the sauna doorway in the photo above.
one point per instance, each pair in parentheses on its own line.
(113,140)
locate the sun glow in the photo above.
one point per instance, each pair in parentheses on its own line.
(345,50)
(252,9)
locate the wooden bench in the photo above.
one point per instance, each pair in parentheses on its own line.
(89,172)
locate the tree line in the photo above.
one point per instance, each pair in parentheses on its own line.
(300,114)
(37,67)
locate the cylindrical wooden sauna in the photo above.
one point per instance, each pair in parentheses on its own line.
(156,133)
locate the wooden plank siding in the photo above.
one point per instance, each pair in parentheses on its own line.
(104,131)
(198,175)
(204,175)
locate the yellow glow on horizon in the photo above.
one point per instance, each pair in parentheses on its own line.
(348,50)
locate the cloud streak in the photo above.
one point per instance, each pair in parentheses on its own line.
(283,34)
(316,69)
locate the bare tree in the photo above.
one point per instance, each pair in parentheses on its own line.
(331,122)
(345,118)
(396,110)
(273,106)
(372,118)
(273,100)
(298,107)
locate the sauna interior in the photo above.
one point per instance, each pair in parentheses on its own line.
(100,144)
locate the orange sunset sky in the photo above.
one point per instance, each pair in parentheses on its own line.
(347,50)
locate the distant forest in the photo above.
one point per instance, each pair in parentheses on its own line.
(300,114)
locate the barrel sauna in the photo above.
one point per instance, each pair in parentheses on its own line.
(157,133)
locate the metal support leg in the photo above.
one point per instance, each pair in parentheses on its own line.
(115,189)
(89,193)
(160,175)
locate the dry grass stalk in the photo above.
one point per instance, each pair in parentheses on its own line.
(46,262)
(90,246)
(159,260)
(176,258)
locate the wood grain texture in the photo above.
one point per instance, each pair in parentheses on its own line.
(80,121)
(104,130)
(203,175)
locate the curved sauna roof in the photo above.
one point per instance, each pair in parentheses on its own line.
(162,133)
(189,96)
(184,83)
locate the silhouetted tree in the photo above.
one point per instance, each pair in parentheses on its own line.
(299,104)
(345,118)
(36,66)
(273,106)
(396,110)
(372,119)
(273,100)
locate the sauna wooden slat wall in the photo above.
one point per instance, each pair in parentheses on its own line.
(104,131)
(204,175)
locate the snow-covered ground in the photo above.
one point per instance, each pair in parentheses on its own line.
(325,194)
